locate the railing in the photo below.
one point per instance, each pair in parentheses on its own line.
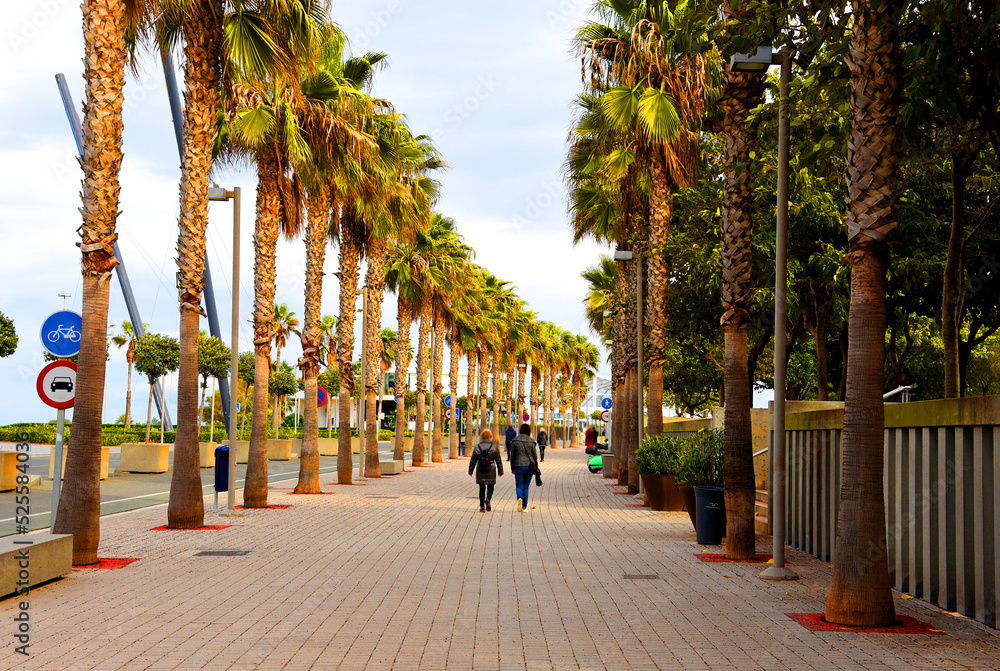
(942,472)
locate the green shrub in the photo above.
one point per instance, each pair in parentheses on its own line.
(702,459)
(659,455)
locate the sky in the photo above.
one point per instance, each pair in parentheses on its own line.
(491,83)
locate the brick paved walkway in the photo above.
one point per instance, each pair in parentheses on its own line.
(364,580)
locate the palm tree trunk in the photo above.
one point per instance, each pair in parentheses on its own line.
(631,432)
(349,261)
(471,411)
(404,317)
(375,281)
(860,593)
(659,281)
(436,455)
(455,354)
(419,448)
(78,512)
(496,400)
(532,397)
(265,242)
(128,398)
(483,388)
(186,507)
(739,475)
(952,293)
(317,228)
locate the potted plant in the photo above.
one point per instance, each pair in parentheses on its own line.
(656,460)
(701,469)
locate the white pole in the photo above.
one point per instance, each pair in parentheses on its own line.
(211,423)
(364,377)
(234,361)
(57,467)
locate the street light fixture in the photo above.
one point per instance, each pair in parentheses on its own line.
(758,62)
(217,193)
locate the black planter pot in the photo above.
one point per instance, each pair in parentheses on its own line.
(711,515)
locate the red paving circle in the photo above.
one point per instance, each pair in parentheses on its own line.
(904,625)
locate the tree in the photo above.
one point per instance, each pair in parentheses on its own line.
(127,339)
(155,356)
(281,384)
(860,593)
(213,361)
(8,336)
(284,323)
(104,31)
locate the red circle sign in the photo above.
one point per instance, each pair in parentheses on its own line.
(606,416)
(321,396)
(525,417)
(56,384)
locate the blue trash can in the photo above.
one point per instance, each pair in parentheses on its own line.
(711,516)
(222,468)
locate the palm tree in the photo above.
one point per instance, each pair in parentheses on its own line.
(284,324)
(104,31)
(127,339)
(860,593)
(269,125)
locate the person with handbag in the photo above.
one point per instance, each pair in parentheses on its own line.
(524,463)
(487,466)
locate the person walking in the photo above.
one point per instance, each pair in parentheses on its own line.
(524,463)
(590,438)
(509,436)
(543,442)
(487,466)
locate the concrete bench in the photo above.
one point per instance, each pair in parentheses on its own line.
(145,457)
(391,467)
(105,456)
(49,556)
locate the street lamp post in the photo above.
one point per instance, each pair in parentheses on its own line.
(758,62)
(216,193)
(362,429)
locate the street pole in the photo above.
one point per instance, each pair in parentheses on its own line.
(778,571)
(234,360)
(57,467)
(364,379)
(638,316)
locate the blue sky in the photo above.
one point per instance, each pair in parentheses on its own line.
(492,83)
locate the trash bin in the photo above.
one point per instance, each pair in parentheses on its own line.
(222,468)
(710,524)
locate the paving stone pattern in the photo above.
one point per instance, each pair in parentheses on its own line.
(426,581)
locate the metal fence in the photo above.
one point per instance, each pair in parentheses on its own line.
(941,478)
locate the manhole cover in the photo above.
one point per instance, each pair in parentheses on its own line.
(641,576)
(222,553)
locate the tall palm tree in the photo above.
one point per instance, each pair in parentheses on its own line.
(284,324)
(127,339)
(860,593)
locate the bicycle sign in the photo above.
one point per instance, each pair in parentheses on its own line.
(61,333)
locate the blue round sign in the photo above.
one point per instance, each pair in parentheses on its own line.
(447,400)
(61,333)
(606,403)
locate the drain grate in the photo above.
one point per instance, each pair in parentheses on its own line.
(379,496)
(222,553)
(641,576)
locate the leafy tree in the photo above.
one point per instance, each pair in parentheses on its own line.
(155,356)
(282,383)
(8,336)
(213,361)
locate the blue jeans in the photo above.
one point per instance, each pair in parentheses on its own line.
(522,481)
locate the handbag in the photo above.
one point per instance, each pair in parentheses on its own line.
(538,475)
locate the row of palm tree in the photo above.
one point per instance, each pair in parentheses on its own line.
(269,83)
(652,74)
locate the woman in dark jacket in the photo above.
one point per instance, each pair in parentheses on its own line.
(487,466)
(523,462)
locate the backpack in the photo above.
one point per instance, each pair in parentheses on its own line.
(485,464)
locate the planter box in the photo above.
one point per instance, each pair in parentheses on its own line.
(296,447)
(206,454)
(8,480)
(50,556)
(609,464)
(328,447)
(279,449)
(407,443)
(242,451)
(145,457)
(355,444)
(662,493)
(105,455)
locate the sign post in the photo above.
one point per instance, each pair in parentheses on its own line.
(56,386)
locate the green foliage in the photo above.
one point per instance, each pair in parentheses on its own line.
(111,434)
(157,355)
(282,383)
(246,365)
(659,455)
(213,358)
(702,459)
(8,336)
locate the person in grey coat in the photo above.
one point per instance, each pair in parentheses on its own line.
(524,464)
(487,466)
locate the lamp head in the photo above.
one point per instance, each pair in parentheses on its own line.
(758,61)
